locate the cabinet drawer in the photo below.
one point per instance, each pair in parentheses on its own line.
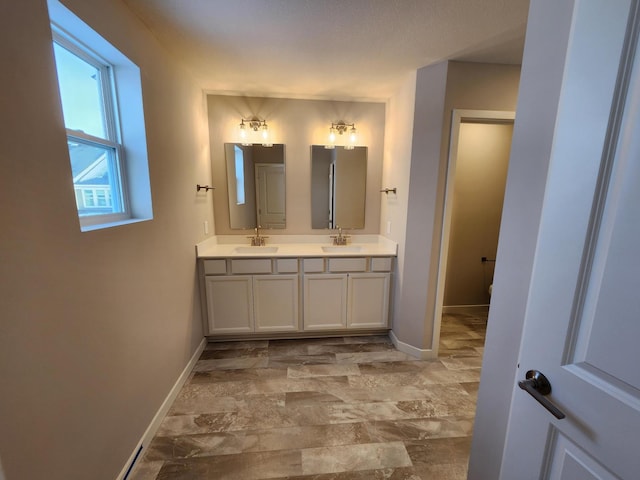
(313,265)
(348,264)
(287,265)
(215,267)
(381,264)
(251,265)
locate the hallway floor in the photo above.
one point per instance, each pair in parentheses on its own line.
(347,408)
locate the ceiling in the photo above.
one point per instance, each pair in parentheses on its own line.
(329,49)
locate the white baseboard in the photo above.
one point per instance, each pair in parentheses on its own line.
(422,354)
(162,411)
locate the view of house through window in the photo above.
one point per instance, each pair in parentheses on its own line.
(86,92)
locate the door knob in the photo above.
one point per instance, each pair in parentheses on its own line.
(537,385)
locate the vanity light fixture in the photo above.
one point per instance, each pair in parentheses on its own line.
(341,128)
(256,125)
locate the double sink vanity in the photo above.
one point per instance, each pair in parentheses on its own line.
(295,285)
(284,286)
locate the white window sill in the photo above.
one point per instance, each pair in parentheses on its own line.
(100,226)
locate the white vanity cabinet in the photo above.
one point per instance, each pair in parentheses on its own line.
(261,297)
(245,296)
(346,293)
(230,304)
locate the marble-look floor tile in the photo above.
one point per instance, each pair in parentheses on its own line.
(194,400)
(310,398)
(342,408)
(420,428)
(445,402)
(311,436)
(396,367)
(380,394)
(244,344)
(201,423)
(414,379)
(253,352)
(457,352)
(451,471)
(402,473)
(350,348)
(366,357)
(439,451)
(331,370)
(363,412)
(289,349)
(231,363)
(244,374)
(264,440)
(346,458)
(295,360)
(245,466)
(471,387)
(198,445)
(459,344)
(368,339)
(447,376)
(304,384)
(461,363)
(146,470)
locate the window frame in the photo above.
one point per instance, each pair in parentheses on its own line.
(109,104)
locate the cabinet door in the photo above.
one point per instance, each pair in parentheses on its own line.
(276,303)
(230,304)
(368,304)
(325,302)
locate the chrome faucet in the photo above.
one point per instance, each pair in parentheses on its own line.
(257,240)
(340,239)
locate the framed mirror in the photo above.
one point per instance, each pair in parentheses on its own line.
(255,185)
(338,186)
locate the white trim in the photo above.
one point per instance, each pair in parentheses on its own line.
(162,411)
(420,353)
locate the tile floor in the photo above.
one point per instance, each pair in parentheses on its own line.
(348,408)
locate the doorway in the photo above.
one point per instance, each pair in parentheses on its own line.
(476,178)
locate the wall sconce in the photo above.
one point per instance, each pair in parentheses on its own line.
(341,128)
(256,125)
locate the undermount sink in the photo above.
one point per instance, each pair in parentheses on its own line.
(256,249)
(341,248)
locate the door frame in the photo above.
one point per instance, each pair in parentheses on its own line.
(458,117)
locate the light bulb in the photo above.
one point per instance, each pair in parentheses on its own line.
(332,135)
(353,136)
(265,132)
(243,131)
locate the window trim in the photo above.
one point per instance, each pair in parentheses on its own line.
(129,98)
(108,95)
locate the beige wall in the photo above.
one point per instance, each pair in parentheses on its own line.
(439,89)
(298,124)
(95,327)
(480,174)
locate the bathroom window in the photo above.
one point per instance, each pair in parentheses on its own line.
(86,93)
(101,99)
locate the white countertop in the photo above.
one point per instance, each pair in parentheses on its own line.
(296,246)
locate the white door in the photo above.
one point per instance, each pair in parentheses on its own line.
(582,322)
(270,195)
